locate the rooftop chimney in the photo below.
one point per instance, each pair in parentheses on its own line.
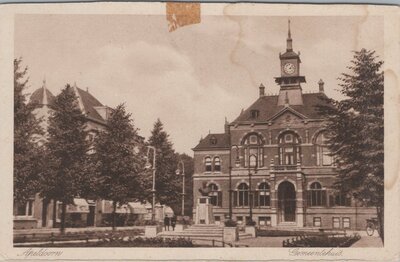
(262,90)
(321,86)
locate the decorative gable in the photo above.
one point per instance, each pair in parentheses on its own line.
(288,115)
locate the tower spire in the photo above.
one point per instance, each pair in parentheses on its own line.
(289,39)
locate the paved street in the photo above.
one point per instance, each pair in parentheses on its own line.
(369,241)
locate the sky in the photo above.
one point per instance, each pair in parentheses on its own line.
(191,78)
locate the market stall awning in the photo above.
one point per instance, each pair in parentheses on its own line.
(168,211)
(137,208)
(107,208)
(80,206)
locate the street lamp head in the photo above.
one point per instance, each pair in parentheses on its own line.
(178,171)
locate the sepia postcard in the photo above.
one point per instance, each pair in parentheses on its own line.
(191,131)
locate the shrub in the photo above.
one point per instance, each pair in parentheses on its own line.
(251,223)
(230,223)
(323,241)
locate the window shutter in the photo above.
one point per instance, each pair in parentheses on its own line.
(219,199)
(235,197)
(323,192)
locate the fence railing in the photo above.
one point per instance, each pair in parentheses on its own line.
(303,239)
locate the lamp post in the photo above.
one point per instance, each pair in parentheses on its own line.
(178,172)
(153,167)
(255,158)
(237,164)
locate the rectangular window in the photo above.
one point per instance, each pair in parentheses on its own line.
(346,222)
(25,209)
(217,220)
(239,220)
(336,222)
(264,198)
(317,221)
(342,200)
(264,221)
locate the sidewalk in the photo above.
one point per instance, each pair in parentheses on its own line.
(75,229)
(369,241)
(365,241)
(263,241)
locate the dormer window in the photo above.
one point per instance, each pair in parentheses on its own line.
(255,113)
(213,140)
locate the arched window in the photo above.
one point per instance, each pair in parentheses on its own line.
(215,195)
(289,148)
(217,164)
(316,195)
(208,164)
(340,199)
(253,151)
(324,157)
(264,195)
(242,195)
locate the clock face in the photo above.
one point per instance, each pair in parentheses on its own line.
(289,68)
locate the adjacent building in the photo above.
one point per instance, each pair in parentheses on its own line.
(272,164)
(38,212)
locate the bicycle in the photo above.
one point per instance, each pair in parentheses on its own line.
(372,225)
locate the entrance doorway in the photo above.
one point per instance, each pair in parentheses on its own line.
(287,202)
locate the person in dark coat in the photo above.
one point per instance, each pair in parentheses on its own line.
(173,223)
(166,222)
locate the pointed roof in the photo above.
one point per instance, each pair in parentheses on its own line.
(42,96)
(213,141)
(88,104)
(268,108)
(289,46)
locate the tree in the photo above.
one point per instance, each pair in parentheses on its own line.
(118,165)
(167,182)
(27,153)
(66,157)
(356,124)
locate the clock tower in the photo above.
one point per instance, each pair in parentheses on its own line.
(290,79)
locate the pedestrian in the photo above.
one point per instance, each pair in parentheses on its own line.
(173,223)
(166,223)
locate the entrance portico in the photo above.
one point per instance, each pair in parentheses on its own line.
(286,202)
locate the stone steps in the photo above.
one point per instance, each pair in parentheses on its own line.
(205,232)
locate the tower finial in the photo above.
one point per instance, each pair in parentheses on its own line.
(289,39)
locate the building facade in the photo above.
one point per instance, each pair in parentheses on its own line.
(38,212)
(272,164)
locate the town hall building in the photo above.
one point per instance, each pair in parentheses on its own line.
(272,164)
